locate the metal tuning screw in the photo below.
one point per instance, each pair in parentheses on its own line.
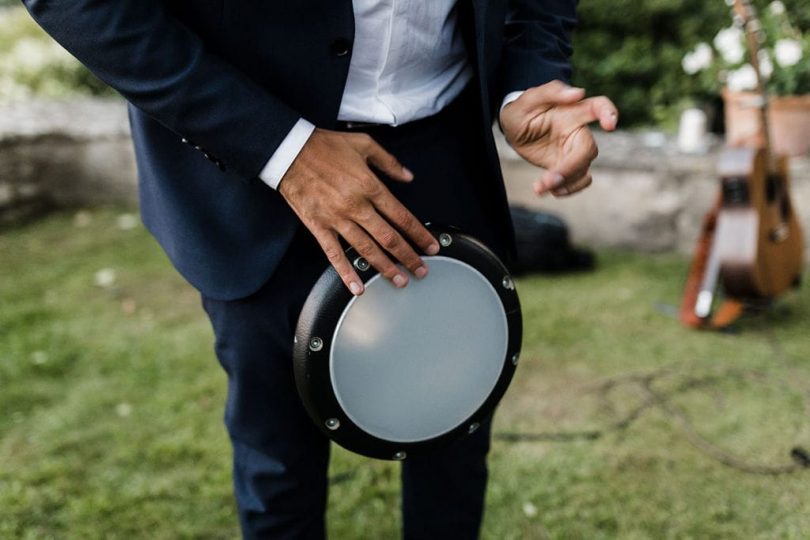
(473,428)
(361,264)
(507,283)
(332,423)
(445,239)
(515,358)
(315,344)
(399,456)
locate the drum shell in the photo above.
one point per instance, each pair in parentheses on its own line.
(320,315)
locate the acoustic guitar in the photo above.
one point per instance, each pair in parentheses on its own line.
(752,242)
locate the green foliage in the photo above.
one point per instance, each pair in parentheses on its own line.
(793,79)
(631,50)
(31,63)
(111,406)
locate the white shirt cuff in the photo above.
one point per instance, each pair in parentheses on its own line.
(285,154)
(510,97)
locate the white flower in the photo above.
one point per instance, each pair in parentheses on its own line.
(82,218)
(30,53)
(788,52)
(698,60)
(742,79)
(126,222)
(123,409)
(765,64)
(529,510)
(39,357)
(729,42)
(777,8)
(33,55)
(105,278)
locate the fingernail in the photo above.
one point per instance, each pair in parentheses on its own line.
(407,174)
(421,272)
(432,249)
(556,180)
(400,281)
(538,189)
(355,288)
(573,90)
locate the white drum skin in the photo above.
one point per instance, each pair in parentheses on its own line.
(411,364)
(395,373)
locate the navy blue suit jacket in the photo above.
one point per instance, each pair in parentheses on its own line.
(215,85)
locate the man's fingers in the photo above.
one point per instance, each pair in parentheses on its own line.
(593,109)
(337,258)
(385,161)
(580,150)
(547,95)
(573,187)
(569,187)
(405,221)
(390,240)
(367,248)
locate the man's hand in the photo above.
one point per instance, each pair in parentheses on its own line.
(547,126)
(334,192)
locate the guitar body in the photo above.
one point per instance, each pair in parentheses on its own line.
(751,240)
(758,238)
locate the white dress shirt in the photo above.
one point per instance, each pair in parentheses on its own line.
(408,62)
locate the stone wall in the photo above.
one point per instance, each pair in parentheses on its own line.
(63,154)
(646,196)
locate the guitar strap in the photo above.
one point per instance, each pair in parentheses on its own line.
(729,310)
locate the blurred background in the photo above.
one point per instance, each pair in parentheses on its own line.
(621,422)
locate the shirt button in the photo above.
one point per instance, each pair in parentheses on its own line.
(341,46)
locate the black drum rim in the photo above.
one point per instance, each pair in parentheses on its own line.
(319,318)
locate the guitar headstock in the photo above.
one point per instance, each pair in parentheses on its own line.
(746,16)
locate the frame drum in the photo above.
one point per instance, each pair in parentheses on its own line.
(398,371)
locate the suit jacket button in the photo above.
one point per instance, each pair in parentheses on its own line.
(341,46)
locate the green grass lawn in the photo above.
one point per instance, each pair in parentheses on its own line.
(111,405)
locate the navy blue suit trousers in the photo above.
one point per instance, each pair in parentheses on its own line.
(280,457)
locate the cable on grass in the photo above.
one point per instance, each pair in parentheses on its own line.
(662,401)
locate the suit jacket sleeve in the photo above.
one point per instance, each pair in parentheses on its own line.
(537,43)
(163,68)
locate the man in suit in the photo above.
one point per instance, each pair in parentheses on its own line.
(267,131)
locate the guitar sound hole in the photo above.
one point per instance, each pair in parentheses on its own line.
(735,191)
(772,188)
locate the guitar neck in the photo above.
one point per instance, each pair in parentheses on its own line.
(753,38)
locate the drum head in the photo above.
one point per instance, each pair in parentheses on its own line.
(395,371)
